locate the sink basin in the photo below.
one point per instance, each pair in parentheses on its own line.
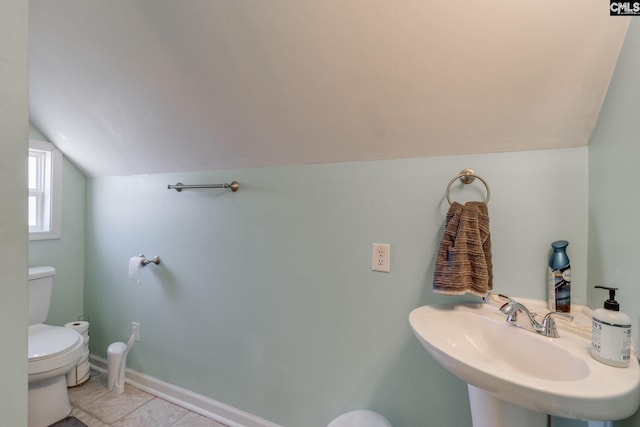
(555,376)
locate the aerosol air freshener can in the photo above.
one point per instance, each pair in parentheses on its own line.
(559,278)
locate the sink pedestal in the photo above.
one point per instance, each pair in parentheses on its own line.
(487,411)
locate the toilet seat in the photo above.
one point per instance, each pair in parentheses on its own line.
(51,347)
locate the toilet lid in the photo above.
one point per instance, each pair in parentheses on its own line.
(48,341)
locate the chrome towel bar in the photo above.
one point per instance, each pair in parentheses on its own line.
(180,186)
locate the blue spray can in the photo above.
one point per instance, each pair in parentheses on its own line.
(559,292)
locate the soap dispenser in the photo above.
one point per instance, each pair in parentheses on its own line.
(611,334)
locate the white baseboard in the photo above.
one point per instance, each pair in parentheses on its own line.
(194,402)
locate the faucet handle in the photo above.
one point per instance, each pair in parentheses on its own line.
(549,328)
(508,298)
(508,307)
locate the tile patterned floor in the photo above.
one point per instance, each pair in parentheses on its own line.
(96,406)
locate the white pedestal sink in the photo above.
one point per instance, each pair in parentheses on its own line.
(516,376)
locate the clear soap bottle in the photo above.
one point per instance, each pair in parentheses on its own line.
(611,334)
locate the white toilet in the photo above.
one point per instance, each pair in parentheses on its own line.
(360,418)
(53,352)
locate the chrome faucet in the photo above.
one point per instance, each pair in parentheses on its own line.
(548,326)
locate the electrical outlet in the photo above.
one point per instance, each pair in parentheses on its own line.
(135,330)
(381,257)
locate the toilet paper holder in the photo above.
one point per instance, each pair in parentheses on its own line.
(155,260)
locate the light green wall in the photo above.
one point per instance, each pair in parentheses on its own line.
(269,289)
(67,253)
(614,154)
(265,299)
(14,116)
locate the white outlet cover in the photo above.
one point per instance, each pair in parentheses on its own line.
(135,330)
(381,257)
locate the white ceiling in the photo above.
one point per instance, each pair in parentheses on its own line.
(146,86)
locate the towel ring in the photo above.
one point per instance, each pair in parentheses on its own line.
(467,176)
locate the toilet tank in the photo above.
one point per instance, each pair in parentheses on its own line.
(40,291)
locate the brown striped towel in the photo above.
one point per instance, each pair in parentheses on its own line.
(464,259)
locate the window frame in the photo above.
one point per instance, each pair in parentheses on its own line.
(48,191)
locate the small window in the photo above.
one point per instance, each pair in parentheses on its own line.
(45,190)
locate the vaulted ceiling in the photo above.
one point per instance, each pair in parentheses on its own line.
(146,86)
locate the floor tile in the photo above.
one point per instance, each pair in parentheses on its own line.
(195,420)
(110,407)
(93,389)
(96,406)
(87,419)
(156,412)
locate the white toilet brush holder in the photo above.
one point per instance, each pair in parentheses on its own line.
(117,365)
